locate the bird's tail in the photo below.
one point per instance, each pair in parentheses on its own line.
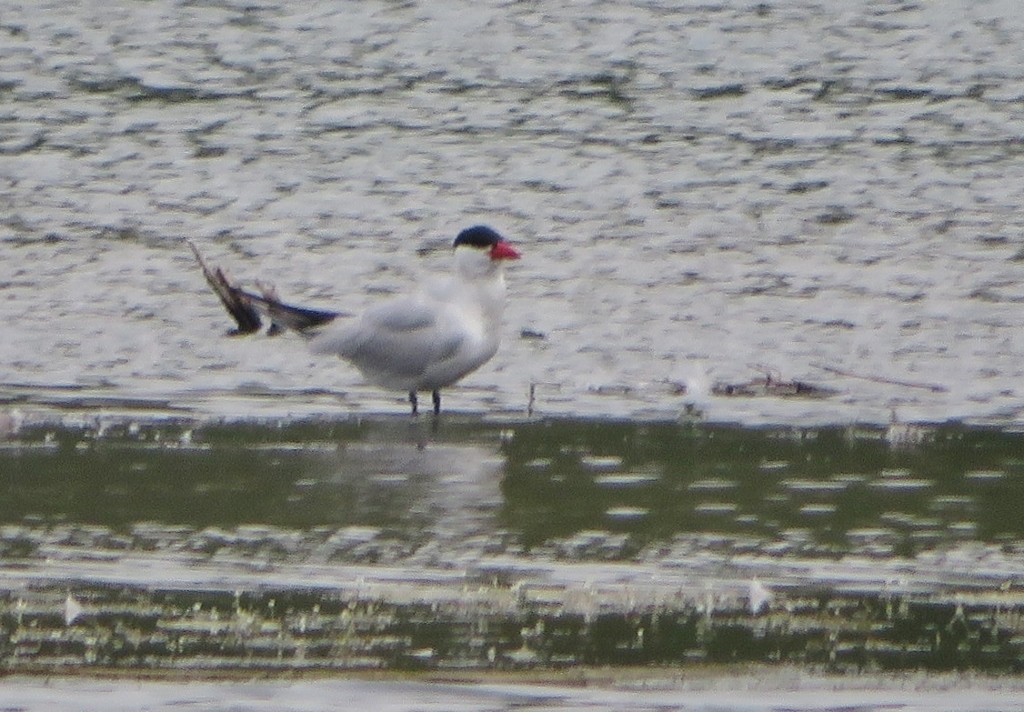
(247,308)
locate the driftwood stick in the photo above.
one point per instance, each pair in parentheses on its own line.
(933,387)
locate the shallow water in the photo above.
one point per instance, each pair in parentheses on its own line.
(701,194)
(823,192)
(466,545)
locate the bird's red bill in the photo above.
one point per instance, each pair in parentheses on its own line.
(504,251)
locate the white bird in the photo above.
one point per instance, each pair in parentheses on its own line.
(420,342)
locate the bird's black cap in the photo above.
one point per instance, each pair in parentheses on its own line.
(478,236)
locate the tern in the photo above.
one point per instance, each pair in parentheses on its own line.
(424,341)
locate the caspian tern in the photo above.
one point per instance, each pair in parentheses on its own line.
(420,342)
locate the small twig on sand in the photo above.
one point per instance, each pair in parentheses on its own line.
(769,386)
(933,387)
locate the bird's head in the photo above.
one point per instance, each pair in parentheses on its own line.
(481,250)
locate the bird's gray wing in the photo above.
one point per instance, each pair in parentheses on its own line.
(398,340)
(401,316)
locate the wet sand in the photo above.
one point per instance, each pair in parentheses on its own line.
(748,689)
(700,194)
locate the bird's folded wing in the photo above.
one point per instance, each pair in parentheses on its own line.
(401,317)
(402,339)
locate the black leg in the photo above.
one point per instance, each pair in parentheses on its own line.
(415,402)
(437,402)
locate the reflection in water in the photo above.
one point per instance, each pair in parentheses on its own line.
(364,492)
(431,493)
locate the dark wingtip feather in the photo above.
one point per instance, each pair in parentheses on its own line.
(244,307)
(235,300)
(288,316)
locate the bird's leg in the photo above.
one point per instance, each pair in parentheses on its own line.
(436,395)
(415,403)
